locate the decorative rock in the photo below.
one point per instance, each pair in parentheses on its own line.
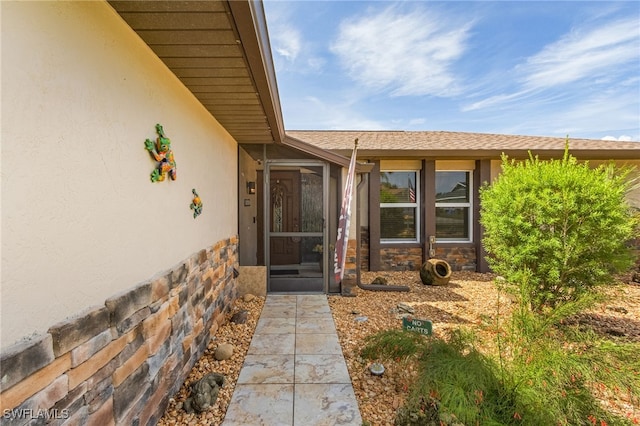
(223,351)
(406,308)
(248,297)
(618,309)
(361,319)
(380,281)
(204,393)
(240,317)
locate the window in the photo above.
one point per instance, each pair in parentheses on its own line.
(453,205)
(399,201)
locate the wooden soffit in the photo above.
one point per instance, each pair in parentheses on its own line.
(220,51)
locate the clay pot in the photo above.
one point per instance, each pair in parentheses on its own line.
(435,272)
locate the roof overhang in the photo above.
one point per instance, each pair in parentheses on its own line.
(332,157)
(441,145)
(219,49)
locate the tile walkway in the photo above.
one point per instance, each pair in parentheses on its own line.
(294,372)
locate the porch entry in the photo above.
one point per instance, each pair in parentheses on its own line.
(295,220)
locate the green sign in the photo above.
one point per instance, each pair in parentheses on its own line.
(421,326)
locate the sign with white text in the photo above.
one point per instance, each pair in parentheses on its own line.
(421,326)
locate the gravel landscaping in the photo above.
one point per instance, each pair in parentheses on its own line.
(238,335)
(469,300)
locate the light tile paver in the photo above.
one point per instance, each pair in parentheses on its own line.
(311,344)
(267,369)
(321,369)
(278,311)
(315,325)
(276,326)
(325,405)
(262,404)
(294,372)
(269,344)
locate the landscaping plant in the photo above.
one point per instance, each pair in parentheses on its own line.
(556,232)
(557,229)
(552,379)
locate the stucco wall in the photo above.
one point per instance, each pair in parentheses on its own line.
(633,196)
(81,220)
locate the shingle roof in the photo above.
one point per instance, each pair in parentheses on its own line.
(461,145)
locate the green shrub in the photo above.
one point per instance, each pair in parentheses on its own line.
(547,380)
(392,344)
(556,229)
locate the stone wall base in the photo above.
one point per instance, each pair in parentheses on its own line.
(461,258)
(119,363)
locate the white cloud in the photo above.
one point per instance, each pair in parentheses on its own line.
(585,84)
(589,115)
(409,54)
(623,138)
(287,42)
(291,51)
(584,54)
(494,100)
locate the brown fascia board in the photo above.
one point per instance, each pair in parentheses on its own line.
(481,154)
(322,154)
(251,25)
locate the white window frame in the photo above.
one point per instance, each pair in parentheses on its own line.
(415,206)
(468,205)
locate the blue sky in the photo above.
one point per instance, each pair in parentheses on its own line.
(546,68)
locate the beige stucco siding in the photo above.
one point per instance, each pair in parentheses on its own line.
(633,196)
(81,220)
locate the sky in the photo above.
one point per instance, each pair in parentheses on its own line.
(546,68)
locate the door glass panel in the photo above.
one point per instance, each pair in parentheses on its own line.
(296,229)
(311,193)
(277,197)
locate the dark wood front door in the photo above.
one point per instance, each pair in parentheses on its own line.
(284,189)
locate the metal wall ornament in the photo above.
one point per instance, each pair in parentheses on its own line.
(161,151)
(196,204)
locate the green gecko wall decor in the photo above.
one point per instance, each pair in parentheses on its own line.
(162,153)
(196,204)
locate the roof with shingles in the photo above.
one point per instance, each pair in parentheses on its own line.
(461,144)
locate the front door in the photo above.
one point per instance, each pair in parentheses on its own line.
(294,218)
(284,188)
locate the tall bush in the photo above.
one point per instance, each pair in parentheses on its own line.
(556,229)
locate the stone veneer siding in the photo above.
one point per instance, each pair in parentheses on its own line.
(400,258)
(350,261)
(121,362)
(364,248)
(460,258)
